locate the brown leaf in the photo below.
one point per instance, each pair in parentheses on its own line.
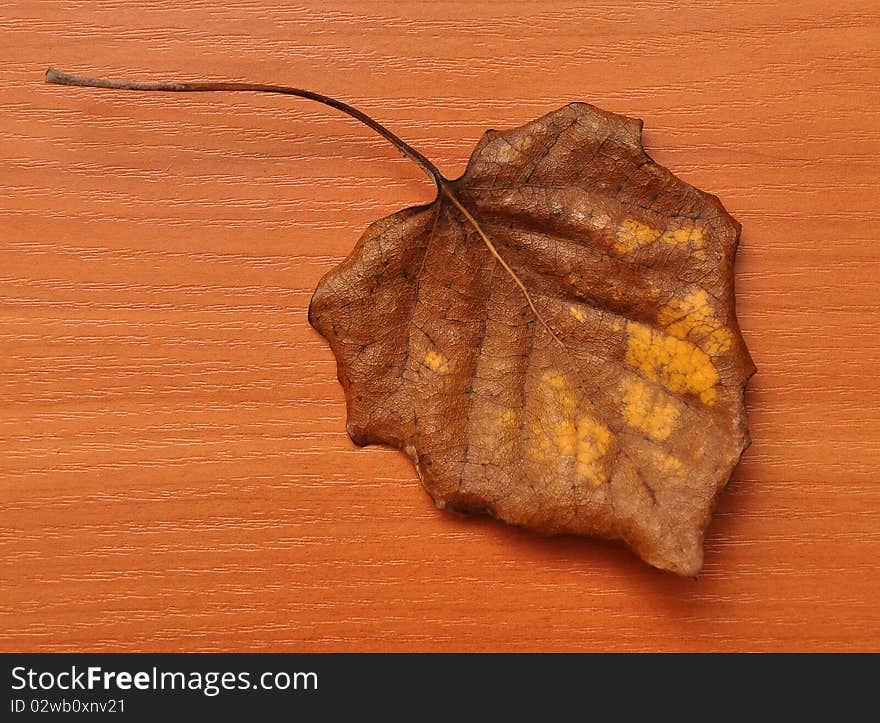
(553,340)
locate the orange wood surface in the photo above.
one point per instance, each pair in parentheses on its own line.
(175,473)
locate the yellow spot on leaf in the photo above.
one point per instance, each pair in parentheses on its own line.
(523,143)
(693,317)
(678,365)
(513,150)
(646,407)
(436,362)
(564,431)
(688,235)
(556,381)
(667,462)
(634,234)
(576,313)
(508,418)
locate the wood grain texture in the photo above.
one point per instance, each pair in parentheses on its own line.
(175,473)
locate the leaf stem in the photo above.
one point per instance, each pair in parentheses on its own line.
(59,78)
(443,188)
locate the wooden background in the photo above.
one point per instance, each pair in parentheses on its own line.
(175,474)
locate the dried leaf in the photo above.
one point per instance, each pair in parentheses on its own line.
(553,340)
